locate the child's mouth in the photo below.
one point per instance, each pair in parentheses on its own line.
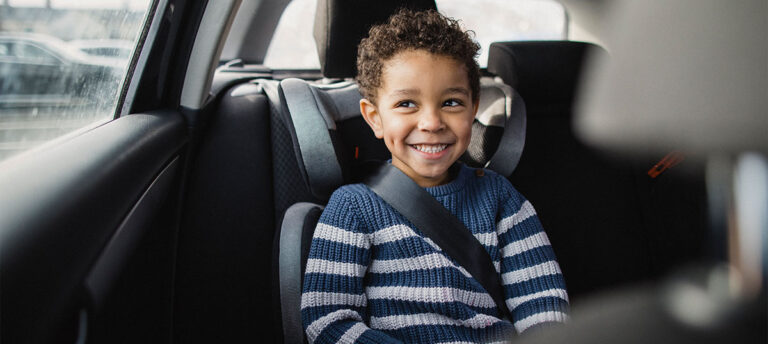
(430,149)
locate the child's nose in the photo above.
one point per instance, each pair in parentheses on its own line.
(431,120)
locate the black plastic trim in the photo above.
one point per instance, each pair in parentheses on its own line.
(165,68)
(143,52)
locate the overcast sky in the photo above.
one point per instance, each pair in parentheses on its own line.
(110,4)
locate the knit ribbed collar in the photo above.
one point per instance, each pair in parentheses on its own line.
(455,185)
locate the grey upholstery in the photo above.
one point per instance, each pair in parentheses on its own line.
(295,235)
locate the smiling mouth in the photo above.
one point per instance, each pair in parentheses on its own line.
(431,149)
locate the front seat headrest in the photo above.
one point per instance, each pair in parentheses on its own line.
(541,71)
(341,24)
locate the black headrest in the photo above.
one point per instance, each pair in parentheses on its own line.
(541,71)
(341,24)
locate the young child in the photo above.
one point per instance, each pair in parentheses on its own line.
(372,277)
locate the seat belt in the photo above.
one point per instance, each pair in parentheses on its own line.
(440,225)
(512,141)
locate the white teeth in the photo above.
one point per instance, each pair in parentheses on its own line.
(430,148)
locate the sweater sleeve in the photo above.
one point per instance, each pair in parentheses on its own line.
(534,287)
(333,301)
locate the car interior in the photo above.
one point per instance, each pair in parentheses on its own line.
(188,217)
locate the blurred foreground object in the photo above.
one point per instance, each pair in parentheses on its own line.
(687,74)
(694,307)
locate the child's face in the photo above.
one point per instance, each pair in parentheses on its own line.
(424,113)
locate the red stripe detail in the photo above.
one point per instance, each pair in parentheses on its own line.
(668,161)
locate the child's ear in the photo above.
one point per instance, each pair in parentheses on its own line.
(371,115)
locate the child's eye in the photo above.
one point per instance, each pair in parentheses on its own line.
(452,102)
(406,104)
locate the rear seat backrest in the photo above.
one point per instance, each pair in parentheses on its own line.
(543,72)
(222,293)
(607,220)
(585,200)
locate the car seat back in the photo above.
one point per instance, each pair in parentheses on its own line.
(610,223)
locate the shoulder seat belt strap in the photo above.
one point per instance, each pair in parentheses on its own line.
(440,225)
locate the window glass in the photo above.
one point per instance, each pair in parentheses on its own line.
(108,48)
(507,20)
(112,52)
(293,46)
(49,86)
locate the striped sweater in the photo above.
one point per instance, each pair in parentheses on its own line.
(371,277)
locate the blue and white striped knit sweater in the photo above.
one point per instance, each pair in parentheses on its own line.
(372,278)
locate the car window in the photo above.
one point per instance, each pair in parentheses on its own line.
(293,46)
(508,20)
(49,87)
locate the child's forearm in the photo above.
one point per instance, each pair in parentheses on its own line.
(533,282)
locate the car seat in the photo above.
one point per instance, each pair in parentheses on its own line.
(331,142)
(321,133)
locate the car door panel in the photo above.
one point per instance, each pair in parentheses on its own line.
(129,289)
(62,205)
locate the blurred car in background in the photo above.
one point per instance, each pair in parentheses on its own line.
(37,69)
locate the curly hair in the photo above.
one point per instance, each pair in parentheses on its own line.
(408,30)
